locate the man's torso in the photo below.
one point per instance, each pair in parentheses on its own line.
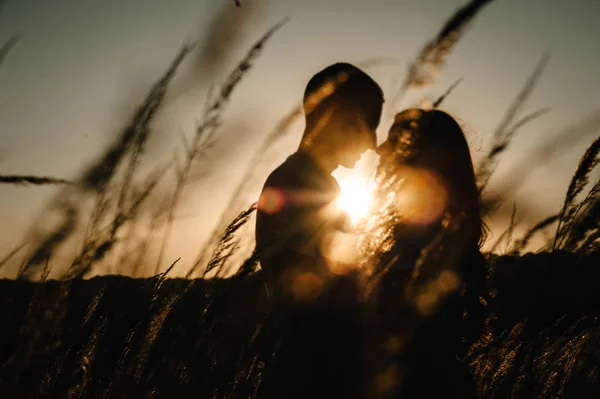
(294,209)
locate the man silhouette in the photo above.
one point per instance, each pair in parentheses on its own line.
(318,335)
(295,219)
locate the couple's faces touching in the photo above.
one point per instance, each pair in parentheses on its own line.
(365,137)
(358,138)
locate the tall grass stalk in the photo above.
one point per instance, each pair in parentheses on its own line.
(588,162)
(507,234)
(585,219)
(11,254)
(247,181)
(107,239)
(43,250)
(96,178)
(431,59)
(506,129)
(207,129)
(155,224)
(228,244)
(157,319)
(226,30)
(591,244)
(8,46)
(440,100)
(520,244)
(548,150)
(22,180)
(587,223)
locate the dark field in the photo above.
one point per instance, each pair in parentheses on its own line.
(120,337)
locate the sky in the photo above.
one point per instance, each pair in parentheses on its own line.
(82,66)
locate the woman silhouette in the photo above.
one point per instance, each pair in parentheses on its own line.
(423,243)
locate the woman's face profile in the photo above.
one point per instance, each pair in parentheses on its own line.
(396,146)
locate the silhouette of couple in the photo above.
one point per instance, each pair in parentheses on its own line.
(421,246)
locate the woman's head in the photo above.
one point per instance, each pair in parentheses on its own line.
(430,143)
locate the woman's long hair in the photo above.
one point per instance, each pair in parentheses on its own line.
(422,242)
(433,141)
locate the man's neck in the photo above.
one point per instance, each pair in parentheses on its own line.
(325,162)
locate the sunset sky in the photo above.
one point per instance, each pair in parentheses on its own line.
(81,67)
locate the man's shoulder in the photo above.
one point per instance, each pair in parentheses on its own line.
(298,170)
(292,170)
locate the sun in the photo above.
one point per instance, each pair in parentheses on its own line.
(355,198)
(356,191)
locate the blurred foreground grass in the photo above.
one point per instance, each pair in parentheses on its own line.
(120,337)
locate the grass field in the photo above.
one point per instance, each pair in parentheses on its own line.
(116,336)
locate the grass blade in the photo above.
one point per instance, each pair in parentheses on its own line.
(520,244)
(33,180)
(227,244)
(450,89)
(588,161)
(206,130)
(430,60)
(506,129)
(8,46)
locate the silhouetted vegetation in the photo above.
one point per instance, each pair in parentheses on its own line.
(33,180)
(116,336)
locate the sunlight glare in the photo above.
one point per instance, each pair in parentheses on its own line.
(355,197)
(357,189)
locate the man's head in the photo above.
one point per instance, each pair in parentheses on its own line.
(342,105)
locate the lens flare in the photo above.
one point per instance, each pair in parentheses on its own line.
(271,200)
(357,187)
(356,195)
(422,196)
